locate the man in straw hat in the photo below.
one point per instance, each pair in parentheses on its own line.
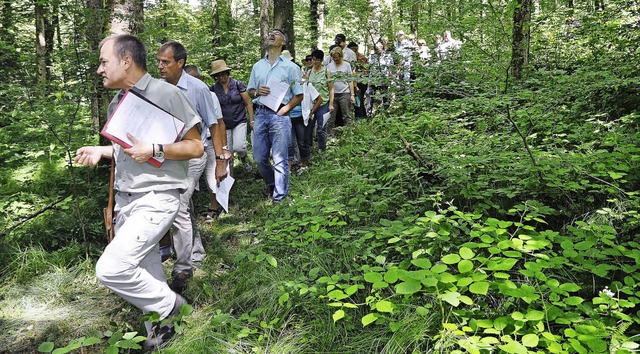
(272,129)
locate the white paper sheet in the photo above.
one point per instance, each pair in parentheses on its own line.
(224,188)
(277,90)
(325,118)
(144,120)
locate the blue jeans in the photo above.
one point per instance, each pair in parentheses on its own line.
(321,132)
(271,135)
(298,134)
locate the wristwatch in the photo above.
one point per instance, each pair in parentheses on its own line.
(160,153)
(221,157)
(226,147)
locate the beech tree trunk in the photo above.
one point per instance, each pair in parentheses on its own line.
(95,29)
(41,44)
(283,19)
(128,17)
(521,37)
(265,24)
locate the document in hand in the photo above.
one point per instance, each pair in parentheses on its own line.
(144,120)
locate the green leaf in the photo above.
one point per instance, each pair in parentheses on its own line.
(480,287)
(423,263)
(92,340)
(272,261)
(385,306)
(368,319)
(338,315)
(573,300)
(408,287)
(465,266)
(422,311)
(373,277)
(439,268)
(46,347)
(283,298)
(391,276)
(534,315)
(466,253)
(451,259)
(337,295)
(452,297)
(351,290)
(514,347)
(530,340)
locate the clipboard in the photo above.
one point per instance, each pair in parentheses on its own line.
(145,120)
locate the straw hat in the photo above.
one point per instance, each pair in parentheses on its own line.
(218,66)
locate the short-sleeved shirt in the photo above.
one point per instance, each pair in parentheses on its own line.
(349,55)
(134,177)
(338,72)
(320,83)
(200,98)
(233,107)
(283,69)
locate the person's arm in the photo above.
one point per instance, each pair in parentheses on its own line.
(91,155)
(247,102)
(316,105)
(331,93)
(189,147)
(295,100)
(219,139)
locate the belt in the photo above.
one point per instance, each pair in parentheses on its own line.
(261,106)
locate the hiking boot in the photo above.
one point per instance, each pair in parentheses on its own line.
(160,335)
(180,281)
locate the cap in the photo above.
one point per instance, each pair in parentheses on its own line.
(400,32)
(352,44)
(340,37)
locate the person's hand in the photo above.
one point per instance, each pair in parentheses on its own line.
(263,91)
(88,155)
(140,151)
(330,107)
(221,170)
(353,99)
(250,125)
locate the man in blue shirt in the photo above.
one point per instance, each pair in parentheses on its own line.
(272,128)
(172,57)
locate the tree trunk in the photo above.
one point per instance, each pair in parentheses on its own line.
(520,40)
(283,19)
(41,44)
(8,36)
(95,27)
(128,17)
(265,24)
(314,23)
(415,16)
(374,21)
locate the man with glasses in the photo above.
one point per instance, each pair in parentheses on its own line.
(272,128)
(172,57)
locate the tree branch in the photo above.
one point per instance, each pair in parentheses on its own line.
(33,216)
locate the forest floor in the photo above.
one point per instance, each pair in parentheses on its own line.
(67,304)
